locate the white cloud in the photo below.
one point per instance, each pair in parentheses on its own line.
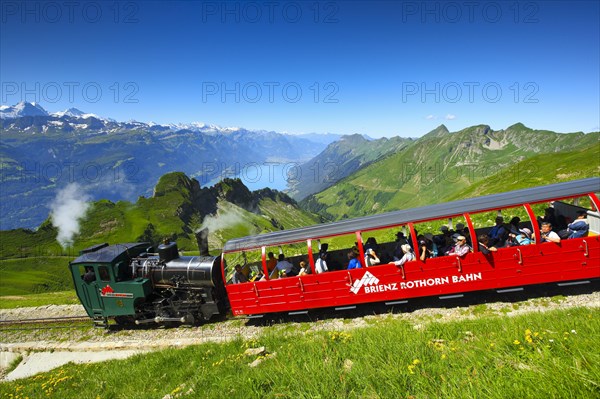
(430,117)
(450,117)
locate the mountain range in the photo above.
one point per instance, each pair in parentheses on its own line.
(442,166)
(330,175)
(41,152)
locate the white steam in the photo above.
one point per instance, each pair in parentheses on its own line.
(69,206)
(222,220)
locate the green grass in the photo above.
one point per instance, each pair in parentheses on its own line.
(33,300)
(538,355)
(460,165)
(25,276)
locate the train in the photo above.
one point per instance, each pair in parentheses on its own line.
(135,283)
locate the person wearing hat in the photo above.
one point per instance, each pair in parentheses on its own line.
(580,227)
(371,258)
(461,248)
(407,257)
(524,236)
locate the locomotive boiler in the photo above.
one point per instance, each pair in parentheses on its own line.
(134,284)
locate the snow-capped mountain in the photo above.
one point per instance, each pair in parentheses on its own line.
(22,109)
(75,113)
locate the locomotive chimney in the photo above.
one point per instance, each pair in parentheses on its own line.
(202,239)
(167,251)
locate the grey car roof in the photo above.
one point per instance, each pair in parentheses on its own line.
(448,209)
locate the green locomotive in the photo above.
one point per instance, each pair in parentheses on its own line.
(133,284)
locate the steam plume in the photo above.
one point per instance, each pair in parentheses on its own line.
(222,220)
(69,206)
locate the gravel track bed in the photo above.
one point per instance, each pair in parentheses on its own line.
(84,338)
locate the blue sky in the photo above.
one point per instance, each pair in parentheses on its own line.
(378,68)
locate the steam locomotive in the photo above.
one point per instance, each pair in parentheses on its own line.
(134,284)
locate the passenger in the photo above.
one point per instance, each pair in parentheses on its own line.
(400,241)
(431,245)
(461,248)
(484,246)
(353,263)
(321,263)
(239,276)
(407,257)
(461,230)
(580,227)
(89,275)
(498,234)
(524,236)
(304,269)
(271,262)
(558,222)
(371,258)
(512,241)
(548,235)
(283,266)
(514,223)
(371,244)
(424,248)
(444,241)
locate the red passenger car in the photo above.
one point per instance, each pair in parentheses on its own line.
(519,256)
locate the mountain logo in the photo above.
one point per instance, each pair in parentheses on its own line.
(367,279)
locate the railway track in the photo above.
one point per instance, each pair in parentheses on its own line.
(45,320)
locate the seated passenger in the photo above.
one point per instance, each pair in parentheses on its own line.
(461,248)
(371,244)
(498,234)
(239,276)
(431,245)
(484,245)
(321,263)
(371,258)
(514,223)
(424,247)
(304,269)
(547,234)
(580,227)
(353,263)
(444,241)
(271,262)
(407,257)
(524,236)
(283,266)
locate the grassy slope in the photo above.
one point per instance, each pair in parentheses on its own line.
(34,275)
(538,355)
(434,171)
